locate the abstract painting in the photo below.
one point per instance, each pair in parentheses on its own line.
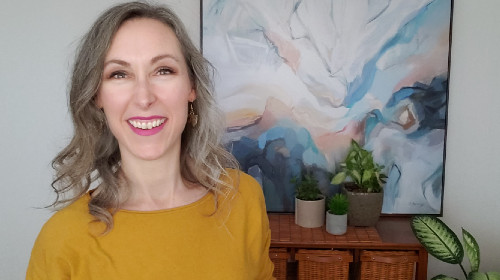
(298,79)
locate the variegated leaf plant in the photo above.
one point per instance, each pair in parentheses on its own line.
(442,243)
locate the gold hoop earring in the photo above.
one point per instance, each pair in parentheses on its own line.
(192,116)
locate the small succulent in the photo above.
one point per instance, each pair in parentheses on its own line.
(441,242)
(338,204)
(307,188)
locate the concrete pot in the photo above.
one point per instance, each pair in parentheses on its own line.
(336,224)
(310,214)
(364,208)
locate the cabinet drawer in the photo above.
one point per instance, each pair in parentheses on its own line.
(279,257)
(394,265)
(323,264)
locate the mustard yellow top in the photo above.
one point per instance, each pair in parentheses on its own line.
(180,243)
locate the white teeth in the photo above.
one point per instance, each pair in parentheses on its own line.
(146,125)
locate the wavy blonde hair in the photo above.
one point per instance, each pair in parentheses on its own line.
(93,157)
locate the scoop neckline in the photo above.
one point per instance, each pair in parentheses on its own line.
(167,210)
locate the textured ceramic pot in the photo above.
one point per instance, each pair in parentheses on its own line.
(336,224)
(364,208)
(310,214)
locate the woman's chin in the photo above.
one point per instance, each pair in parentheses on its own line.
(149,154)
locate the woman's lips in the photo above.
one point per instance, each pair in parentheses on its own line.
(147,126)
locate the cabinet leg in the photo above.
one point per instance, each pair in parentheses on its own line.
(422,265)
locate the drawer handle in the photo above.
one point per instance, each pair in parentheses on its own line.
(322,259)
(390,259)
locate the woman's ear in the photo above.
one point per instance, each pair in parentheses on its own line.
(97,101)
(192,95)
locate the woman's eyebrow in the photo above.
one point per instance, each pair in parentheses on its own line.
(162,56)
(153,60)
(117,61)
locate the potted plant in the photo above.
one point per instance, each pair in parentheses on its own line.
(309,202)
(364,187)
(336,217)
(441,242)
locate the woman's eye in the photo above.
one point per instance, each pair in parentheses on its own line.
(117,75)
(165,71)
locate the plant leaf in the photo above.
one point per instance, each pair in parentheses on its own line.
(367,174)
(483,276)
(355,144)
(493,275)
(443,277)
(439,240)
(339,178)
(356,176)
(476,276)
(472,250)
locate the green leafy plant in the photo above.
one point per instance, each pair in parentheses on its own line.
(441,242)
(338,204)
(307,188)
(361,168)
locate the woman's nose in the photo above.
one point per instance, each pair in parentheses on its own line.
(144,95)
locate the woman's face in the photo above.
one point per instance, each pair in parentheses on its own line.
(145,90)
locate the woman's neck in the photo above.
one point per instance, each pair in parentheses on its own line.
(156,185)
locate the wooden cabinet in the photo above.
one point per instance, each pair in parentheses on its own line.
(391,240)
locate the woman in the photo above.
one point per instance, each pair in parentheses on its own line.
(147,190)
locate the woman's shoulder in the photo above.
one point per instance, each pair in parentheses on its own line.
(65,222)
(245,187)
(243,182)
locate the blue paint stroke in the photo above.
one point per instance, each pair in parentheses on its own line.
(361,85)
(277,156)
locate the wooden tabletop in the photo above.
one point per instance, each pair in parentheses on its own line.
(390,232)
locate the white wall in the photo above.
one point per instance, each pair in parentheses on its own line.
(472,181)
(36,50)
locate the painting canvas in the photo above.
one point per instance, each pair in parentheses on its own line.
(297,80)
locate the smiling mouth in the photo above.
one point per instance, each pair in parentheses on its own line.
(146,125)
